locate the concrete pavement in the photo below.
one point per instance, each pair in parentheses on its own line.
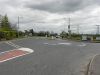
(49,59)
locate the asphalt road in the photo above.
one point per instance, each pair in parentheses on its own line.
(50,57)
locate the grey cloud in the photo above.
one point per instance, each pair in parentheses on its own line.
(63,6)
(34,11)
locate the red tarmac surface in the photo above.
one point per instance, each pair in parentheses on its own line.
(11,54)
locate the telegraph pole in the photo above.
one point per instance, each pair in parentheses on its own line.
(77,29)
(97,29)
(69,31)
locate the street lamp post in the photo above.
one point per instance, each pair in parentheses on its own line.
(69,31)
(98,29)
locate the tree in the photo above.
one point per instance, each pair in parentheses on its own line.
(5,24)
(47,33)
(31,31)
(26,32)
(63,34)
(41,33)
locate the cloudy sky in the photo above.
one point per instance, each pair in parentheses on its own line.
(53,15)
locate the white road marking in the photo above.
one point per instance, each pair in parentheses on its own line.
(58,44)
(49,44)
(26,49)
(46,43)
(12,58)
(5,52)
(82,45)
(18,47)
(64,43)
(12,44)
(23,49)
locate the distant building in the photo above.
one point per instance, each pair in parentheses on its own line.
(90,37)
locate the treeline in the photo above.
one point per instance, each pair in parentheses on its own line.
(73,36)
(31,32)
(9,31)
